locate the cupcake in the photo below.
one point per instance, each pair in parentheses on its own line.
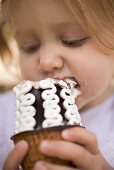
(43,109)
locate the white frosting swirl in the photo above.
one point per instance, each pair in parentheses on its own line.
(25,111)
(22,88)
(51,107)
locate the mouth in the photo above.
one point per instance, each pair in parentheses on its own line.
(77,84)
(74,81)
(70,80)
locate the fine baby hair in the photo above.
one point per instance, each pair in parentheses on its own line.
(4,49)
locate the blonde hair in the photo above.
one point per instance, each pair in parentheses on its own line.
(96,18)
(5,53)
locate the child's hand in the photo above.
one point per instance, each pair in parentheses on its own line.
(84,153)
(16,156)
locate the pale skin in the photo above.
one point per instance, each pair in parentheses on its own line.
(52,44)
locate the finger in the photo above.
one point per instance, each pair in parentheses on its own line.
(83,137)
(67,151)
(16,156)
(48,166)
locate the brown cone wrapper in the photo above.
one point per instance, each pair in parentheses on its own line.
(34,138)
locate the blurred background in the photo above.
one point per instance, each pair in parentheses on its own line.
(9,66)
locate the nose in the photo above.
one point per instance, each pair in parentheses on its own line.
(50,59)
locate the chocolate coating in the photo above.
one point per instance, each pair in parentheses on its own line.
(39,117)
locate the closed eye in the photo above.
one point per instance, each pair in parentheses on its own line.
(75,43)
(31,48)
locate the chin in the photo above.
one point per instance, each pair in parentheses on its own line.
(84,103)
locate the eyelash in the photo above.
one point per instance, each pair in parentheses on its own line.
(69,43)
(75,43)
(31,49)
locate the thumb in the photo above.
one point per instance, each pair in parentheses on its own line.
(16,156)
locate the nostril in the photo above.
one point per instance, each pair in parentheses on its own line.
(50,64)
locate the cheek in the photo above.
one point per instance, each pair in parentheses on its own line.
(26,69)
(94,85)
(94,75)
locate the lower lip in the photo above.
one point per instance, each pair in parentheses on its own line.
(56,78)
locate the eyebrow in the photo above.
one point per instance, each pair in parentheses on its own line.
(55,26)
(68,25)
(65,23)
(21,31)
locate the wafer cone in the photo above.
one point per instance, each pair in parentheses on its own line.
(34,138)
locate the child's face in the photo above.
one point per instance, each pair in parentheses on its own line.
(52,44)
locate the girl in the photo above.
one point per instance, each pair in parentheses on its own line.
(70,38)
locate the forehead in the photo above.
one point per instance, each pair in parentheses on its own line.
(41,11)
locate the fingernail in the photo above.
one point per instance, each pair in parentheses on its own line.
(65,133)
(44,145)
(21,143)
